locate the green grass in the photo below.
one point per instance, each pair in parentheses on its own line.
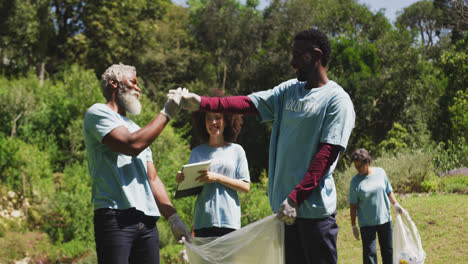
(440,219)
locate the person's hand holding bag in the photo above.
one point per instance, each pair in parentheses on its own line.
(287,211)
(179,229)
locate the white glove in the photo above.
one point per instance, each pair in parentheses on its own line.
(287,211)
(356,232)
(179,229)
(400,209)
(172,106)
(190,101)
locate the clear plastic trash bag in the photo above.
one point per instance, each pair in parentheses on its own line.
(407,248)
(259,242)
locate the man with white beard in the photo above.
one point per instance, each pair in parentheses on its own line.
(127,194)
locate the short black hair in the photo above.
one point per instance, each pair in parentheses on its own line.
(361,155)
(199,127)
(316,39)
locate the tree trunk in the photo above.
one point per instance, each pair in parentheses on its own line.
(41,74)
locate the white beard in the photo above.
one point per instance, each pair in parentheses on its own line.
(129,99)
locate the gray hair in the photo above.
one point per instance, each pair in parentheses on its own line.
(361,155)
(115,72)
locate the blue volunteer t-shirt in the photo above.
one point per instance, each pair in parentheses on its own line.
(218,205)
(370,193)
(118,181)
(302,120)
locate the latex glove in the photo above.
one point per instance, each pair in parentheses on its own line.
(400,209)
(172,106)
(179,229)
(287,211)
(356,232)
(190,101)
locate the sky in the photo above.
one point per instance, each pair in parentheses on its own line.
(391,6)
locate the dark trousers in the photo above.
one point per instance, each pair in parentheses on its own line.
(212,231)
(369,246)
(312,241)
(125,236)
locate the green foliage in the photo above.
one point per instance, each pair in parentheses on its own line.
(67,213)
(459,114)
(18,246)
(406,95)
(453,63)
(451,155)
(255,204)
(422,17)
(431,183)
(395,139)
(454,184)
(24,168)
(169,253)
(406,170)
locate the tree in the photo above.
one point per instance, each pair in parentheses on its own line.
(422,16)
(230,35)
(26,30)
(454,17)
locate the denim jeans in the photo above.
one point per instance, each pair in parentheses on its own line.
(125,236)
(310,241)
(369,246)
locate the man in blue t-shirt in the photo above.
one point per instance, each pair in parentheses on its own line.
(312,121)
(127,194)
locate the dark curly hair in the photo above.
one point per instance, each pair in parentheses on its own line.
(361,155)
(316,39)
(199,127)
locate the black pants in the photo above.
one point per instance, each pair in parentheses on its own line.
(125,236)
(311,241)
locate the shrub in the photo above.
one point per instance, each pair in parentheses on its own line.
(431,183)
(68,213)
(168,254)
(455,184)
(17,246)
(406,170)
(255,204)
(451,155)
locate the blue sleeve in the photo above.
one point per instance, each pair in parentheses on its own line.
(388,186)
(242,166)
(352,195)
(268,103)
(98,122)
(338,123)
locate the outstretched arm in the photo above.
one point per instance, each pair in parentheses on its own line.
(229,105)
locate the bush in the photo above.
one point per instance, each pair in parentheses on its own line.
(30,245)
(451,155)
(431,183)
(455,184)
(406,170)
(255,204)
(68,213)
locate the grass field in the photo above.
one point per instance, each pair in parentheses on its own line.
(442,221)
